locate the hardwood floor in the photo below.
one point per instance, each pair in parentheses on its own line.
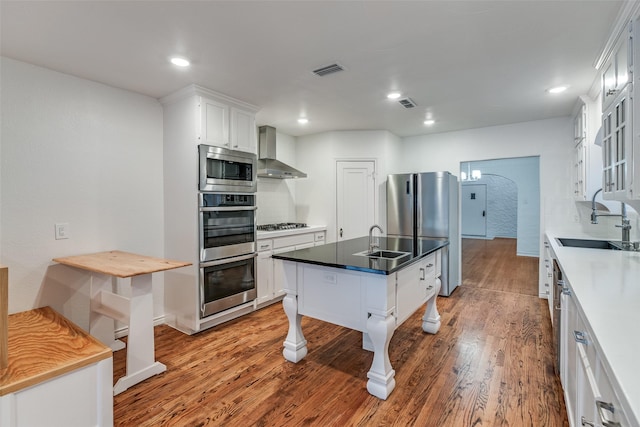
(491,364)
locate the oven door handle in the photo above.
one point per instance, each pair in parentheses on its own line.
(229,209)
(228,260)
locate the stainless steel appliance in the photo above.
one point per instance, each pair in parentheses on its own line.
(227,251)
(226,283)
(226,170)
(425,206)
(268,165)
(282,226)
(227,225)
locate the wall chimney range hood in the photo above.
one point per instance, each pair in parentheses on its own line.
(268,166)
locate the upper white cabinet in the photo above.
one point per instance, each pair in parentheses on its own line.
(587,156)
(243,130)
(620,146)
(214,122)
(616,71)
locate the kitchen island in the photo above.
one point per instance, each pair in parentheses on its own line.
(339,284)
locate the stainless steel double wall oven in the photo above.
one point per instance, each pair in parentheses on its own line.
(227,228)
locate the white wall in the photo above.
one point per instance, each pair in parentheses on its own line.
(276,197)
(317,155)
(79,152)
(525,173)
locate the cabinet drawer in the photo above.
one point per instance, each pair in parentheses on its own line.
(265,245)
(298,239)
(429,264)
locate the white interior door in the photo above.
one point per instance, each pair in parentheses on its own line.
(355,198)
(474,210)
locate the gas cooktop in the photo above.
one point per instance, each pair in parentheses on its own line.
(281,226)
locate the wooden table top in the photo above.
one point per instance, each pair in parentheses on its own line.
(120,264)
(43,345)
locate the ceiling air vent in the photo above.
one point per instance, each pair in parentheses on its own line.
(407,102)
(329,69)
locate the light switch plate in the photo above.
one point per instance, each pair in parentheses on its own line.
(62,230)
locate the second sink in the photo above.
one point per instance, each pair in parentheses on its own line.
(383,254)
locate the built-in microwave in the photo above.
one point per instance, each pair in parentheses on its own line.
(222,169)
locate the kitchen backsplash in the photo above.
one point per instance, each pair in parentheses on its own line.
(276,201)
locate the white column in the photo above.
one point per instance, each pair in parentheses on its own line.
(431,318)
(295,345)
(381,376)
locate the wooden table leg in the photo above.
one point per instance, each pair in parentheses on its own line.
(141,362)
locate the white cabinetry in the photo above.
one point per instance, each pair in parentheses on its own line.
(589,395)
(414,284)
(621,148)
(270,273)
(548,276)
(214,122)
(193,116)
(243,130)
(227,126)
(587,156)
(616,71)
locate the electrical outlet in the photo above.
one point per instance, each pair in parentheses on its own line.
(62,230)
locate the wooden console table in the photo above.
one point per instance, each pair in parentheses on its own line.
(136,311)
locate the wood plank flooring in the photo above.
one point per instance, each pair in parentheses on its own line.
(491,364)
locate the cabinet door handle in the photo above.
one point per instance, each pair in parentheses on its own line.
(604,409)
(423,273)
(584,422)
(341,232)
(580,338)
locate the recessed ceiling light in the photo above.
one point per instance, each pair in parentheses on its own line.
(180,62)
(394,95)
(303,120)
(429,122)
(558,89)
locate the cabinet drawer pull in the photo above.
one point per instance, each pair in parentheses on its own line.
(429,265)
(604,409)
(580,338)
(429,287)
(584,422)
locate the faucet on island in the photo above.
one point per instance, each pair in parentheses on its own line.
(626,224)
(371,244)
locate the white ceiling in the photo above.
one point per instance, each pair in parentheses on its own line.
(468,64)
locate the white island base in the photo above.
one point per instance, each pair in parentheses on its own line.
(374,304)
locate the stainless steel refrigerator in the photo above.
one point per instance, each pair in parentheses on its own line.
(425,206)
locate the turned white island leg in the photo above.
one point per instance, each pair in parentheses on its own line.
(381,375)
(295,345)
(431,318)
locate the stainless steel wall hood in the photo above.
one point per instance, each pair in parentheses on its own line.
(268,166)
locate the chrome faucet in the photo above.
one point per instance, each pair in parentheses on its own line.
(626,224)
(373,245)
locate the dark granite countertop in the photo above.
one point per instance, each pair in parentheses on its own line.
(342,254)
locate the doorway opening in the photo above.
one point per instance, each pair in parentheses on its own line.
(500,209)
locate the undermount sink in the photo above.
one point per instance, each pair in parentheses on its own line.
(383,254)
(587,243)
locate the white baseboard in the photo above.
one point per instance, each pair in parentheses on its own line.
(124,331)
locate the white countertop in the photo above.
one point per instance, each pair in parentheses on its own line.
(282,233)
(606,284)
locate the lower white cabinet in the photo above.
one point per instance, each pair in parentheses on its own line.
(590,397)
(416,282)
(270,286)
